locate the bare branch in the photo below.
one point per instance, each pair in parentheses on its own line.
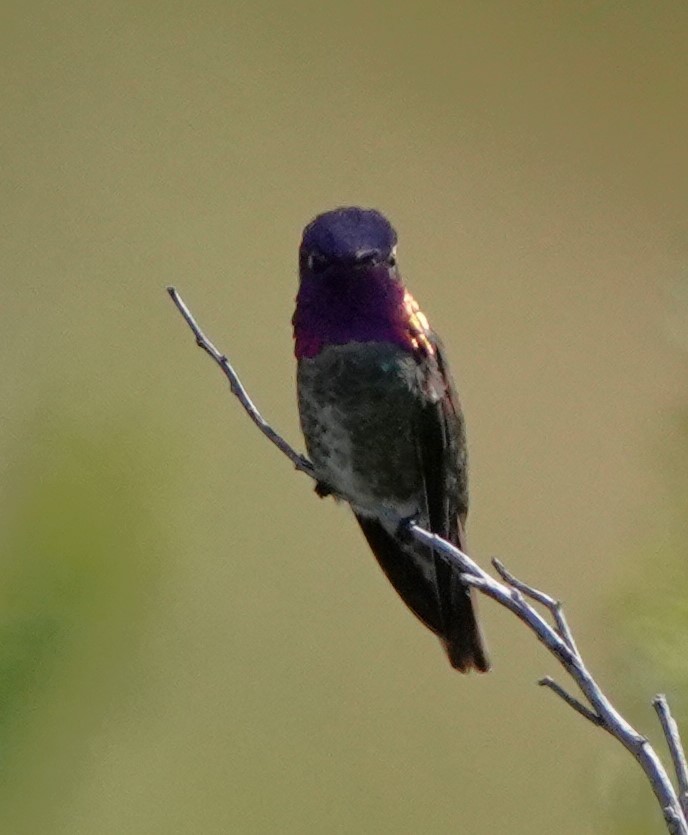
(673,738)
(569,657)
(550,603)
(299,461)
(570,700)
(514,595)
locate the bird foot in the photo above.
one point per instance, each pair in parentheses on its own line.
(322,489)
(403,534)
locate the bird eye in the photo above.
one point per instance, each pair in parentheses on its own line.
(392,260)
(316,262)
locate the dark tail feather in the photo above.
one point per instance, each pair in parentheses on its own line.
(463,641)
(444,605)
(404,573)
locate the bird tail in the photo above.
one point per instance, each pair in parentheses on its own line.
(442,602)
(462,638)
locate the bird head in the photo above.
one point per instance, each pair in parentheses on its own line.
(350,289)
(348,240)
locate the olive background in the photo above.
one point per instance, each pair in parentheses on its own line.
(191,641)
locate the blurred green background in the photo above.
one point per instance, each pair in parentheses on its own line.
(190,642)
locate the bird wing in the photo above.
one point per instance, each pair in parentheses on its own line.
(441,452)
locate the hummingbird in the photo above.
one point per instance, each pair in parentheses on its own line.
(381,418)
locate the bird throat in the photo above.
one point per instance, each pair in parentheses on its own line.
(357,306)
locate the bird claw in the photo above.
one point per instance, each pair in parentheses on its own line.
(322,489)
(403,534)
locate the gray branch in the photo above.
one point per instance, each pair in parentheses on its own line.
(570,700)
(673,738)
(515,595)
(299,461)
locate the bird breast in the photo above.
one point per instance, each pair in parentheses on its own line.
(357,405)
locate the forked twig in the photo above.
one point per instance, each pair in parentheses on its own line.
(673,738)
(515,595)
(550,603)
(570,700)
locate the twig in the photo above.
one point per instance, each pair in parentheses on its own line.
(514,594)
(673,738)
(299,461)
(550,603)
(602,713)
(570,700)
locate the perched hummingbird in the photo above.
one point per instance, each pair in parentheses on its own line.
(381,418)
